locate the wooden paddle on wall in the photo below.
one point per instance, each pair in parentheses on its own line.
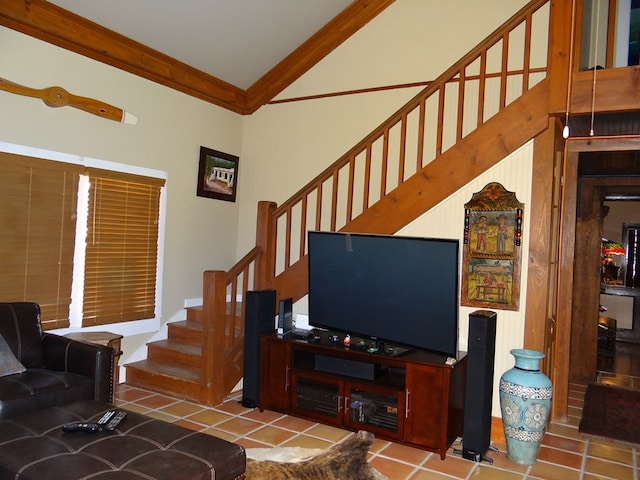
(59,97)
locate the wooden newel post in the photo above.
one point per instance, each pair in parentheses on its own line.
(266,240)
(213,331)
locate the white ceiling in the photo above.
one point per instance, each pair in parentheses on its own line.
(237,41)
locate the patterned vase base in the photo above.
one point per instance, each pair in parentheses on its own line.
(524,453)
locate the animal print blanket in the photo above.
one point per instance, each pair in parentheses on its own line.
(346,460)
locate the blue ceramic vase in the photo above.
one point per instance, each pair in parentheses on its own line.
(525,404)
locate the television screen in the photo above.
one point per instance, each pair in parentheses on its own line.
(401,290)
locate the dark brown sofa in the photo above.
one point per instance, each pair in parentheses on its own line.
(58,370)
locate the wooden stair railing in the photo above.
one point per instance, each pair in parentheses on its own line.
(487,97)
(223,326)
(368,178)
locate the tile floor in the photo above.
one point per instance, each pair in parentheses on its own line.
(565,454)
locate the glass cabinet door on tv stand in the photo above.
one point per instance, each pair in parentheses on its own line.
(377,410)
(353,404)
(318,397)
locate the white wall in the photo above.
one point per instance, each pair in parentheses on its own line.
(200,232)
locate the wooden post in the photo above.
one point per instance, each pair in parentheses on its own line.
(559,53)
(266,240)
(213,337)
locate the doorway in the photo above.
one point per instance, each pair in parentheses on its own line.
(609,190)
(571,289)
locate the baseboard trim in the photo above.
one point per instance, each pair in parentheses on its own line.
(497,431)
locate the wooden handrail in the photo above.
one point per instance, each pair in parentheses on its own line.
(335,207)
(223,324)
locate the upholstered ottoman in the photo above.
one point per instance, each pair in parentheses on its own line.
(34,447)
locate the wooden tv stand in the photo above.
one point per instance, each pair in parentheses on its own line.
(414,397)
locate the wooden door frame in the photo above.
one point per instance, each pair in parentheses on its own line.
(573,148)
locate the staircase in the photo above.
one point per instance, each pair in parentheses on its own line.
(476,113)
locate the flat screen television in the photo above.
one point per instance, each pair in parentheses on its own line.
(397,290)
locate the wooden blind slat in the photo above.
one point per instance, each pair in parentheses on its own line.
(37,219)
(122,240)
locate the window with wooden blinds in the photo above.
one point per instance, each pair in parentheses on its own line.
(38,223)
(122,248)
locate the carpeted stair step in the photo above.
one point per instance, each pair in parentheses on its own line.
(180,381)
(175,352)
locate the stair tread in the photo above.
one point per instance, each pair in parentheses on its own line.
(188,374)
(186,324)
(181,347)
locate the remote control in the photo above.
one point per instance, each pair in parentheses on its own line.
(82,427)
(115,421)
(106,417)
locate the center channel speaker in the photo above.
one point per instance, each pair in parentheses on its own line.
(476,436)
(259,318)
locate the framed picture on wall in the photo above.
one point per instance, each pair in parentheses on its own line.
(217,175)
(491,254)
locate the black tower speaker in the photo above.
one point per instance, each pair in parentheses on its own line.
(476,436)
(259,317)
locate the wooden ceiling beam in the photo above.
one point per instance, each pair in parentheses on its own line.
(50,23)
(318,46)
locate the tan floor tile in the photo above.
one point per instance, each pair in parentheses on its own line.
(565,431)
(131,394)
(304,441)
(608,469)
(487,472)
(561,457)
(379,444)
(326,432)
(549,471)
(249,443)
(422,474)
(182,409)
(608,452)
(564,443)
(403,453)
(238,425)
(271,435)
(156,401)
(266,416)
(214,432)
(391,469)
(233,407)
(190,425)
(209,417)
(294,423)
(134,408)
(455,466)
(161,416)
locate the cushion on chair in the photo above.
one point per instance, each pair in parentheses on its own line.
(9,364)
(20,327)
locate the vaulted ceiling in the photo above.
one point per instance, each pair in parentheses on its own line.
(237,54)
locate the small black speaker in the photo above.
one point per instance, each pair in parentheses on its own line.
(481,348)
(259,317)
(285,316)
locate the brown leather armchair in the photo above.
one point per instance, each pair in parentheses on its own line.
(59,370)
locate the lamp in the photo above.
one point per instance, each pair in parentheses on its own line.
(609,272)
(612,248)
